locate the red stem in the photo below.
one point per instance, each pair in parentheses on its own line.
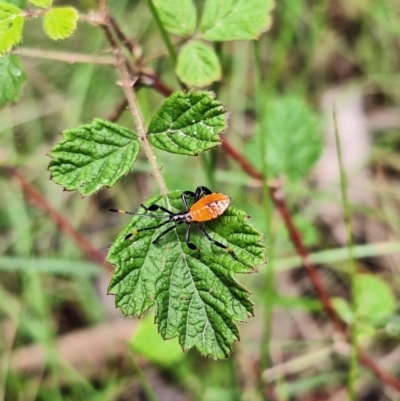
(41,203)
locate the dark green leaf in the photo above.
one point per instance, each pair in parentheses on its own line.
(12,77)
(293,136)
(188,123)
(196,296)
(235,19)
(198,65)
(11,23)
(177,16)
(93,156)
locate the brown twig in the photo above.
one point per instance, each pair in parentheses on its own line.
(41,203)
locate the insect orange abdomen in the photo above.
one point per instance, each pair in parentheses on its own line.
(209,207)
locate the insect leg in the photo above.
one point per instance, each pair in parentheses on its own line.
(121,211)
(190,244)
(167,230)
(151,208)
(155,207)
(213,241)
(201,190)
(130,235)
(187,194)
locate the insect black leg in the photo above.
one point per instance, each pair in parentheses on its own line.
(190,244)
(151,208)
(187,194)
(154,208)
(130,235)
(201,191)
(213,241)
(167,231)
(121,211)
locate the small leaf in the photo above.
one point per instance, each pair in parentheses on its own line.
(42,3)
(12,77)
(198,65)
(177,16)
(188,123)
(60,23)
(235,19)
(11,24)
(93,156)
(196,296)
(294,140)
(375,299)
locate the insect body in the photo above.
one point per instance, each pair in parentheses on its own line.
(207,206)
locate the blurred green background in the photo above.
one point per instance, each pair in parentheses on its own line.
(61,337)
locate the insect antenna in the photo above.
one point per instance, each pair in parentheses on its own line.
(153,216)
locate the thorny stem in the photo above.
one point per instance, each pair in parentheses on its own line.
(71,58)
(134,109)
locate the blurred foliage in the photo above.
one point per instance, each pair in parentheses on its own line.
(310,47)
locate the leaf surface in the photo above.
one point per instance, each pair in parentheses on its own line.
(177,16)
(11,24)
(12,77)
(196,296)
(93,156)
(60,23)
(293,136)
(375,299)
(198,65)
(188,123)
(235,19)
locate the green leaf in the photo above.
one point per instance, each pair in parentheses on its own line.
(188,123)
(343,309)
(375,299)
(11,24)
(375,305)
(93,156)
(177,16)
(42,3)
(60,23)
(235,19)
(196,296)
(12,77)
(198,65)
(147,342)
(16,3)
(293,136)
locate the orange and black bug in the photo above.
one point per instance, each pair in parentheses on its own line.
(206,206)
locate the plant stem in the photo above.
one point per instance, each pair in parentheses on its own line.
(135,110)
(353,270)
(163,32)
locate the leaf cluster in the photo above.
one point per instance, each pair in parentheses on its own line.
(198,64)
